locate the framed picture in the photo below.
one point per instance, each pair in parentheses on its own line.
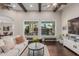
(6,28)
(64,27)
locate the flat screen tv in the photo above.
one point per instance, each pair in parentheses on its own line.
(73,26)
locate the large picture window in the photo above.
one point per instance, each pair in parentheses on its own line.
(39,28)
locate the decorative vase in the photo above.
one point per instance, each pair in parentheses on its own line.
(35,44)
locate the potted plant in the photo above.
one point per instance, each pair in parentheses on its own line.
(35,40)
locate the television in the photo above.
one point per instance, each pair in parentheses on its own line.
(73,26)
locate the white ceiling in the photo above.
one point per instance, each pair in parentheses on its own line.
(47,7)
(16,7)
(33,6)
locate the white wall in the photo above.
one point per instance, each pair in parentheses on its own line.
(70,12)
(19,17)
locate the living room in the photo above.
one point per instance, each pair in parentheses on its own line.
(46,23)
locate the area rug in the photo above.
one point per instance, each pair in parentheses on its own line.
(46,52)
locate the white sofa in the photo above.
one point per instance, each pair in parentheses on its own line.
(17,50)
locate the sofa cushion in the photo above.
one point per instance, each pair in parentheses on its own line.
(17,50)
(9,43)
(12,52)
(22,46)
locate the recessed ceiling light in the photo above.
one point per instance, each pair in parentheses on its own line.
(31,5)
(14,6)
(48,6)
(55,4)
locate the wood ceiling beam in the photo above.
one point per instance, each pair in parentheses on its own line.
(58,6)
(39,7)
(22,6)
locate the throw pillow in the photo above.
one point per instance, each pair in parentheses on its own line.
(19,39)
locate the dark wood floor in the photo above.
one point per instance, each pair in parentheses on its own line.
(57,49)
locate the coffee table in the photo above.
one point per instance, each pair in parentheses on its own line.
(35,49)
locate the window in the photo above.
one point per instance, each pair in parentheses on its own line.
(39,28)
(31,28)
(48,28)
